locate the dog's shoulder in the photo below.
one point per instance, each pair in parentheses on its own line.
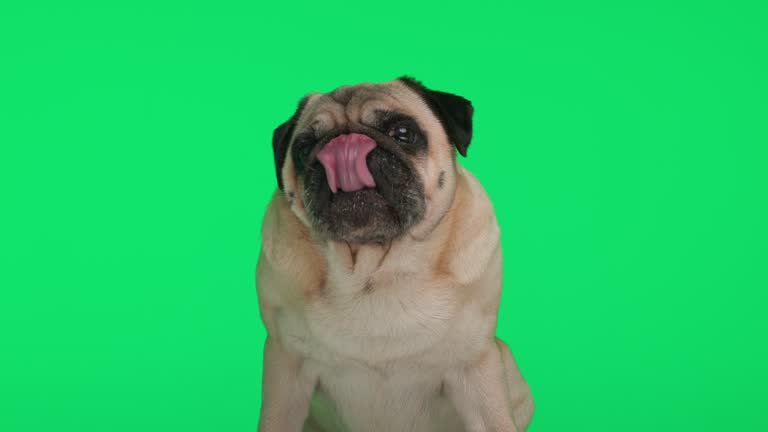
(289,267)
(474,234)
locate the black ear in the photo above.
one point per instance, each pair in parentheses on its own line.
(453,111)
(281,139)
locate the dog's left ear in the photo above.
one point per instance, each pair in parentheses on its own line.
(281,140)
(453,111)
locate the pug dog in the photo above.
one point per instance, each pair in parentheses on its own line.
(380,272)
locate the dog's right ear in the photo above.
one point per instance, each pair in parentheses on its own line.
(281,139)
(453,111)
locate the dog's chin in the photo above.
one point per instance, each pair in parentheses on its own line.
(356,217)
(370,215)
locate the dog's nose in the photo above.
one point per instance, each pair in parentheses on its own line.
(343,158)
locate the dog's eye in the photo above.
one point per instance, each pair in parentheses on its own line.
(402,133)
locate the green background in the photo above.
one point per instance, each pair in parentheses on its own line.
(624,147)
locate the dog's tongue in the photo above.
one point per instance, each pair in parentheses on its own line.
(344,161)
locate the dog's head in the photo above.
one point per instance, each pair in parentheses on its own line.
(371,162)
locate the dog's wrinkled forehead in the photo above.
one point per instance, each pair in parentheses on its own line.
(361,104)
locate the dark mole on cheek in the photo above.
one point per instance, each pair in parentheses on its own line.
(368,286)
(441,180)
(291,195)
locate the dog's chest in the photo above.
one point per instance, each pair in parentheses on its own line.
(404,399)
(380,350)
(376,320)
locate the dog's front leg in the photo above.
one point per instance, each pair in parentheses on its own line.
(286,392)
(479,394)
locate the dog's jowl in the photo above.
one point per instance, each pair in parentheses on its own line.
(380,272)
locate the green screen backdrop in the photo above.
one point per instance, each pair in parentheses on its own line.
(623,144)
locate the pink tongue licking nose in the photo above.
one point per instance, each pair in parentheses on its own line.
(344,161)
